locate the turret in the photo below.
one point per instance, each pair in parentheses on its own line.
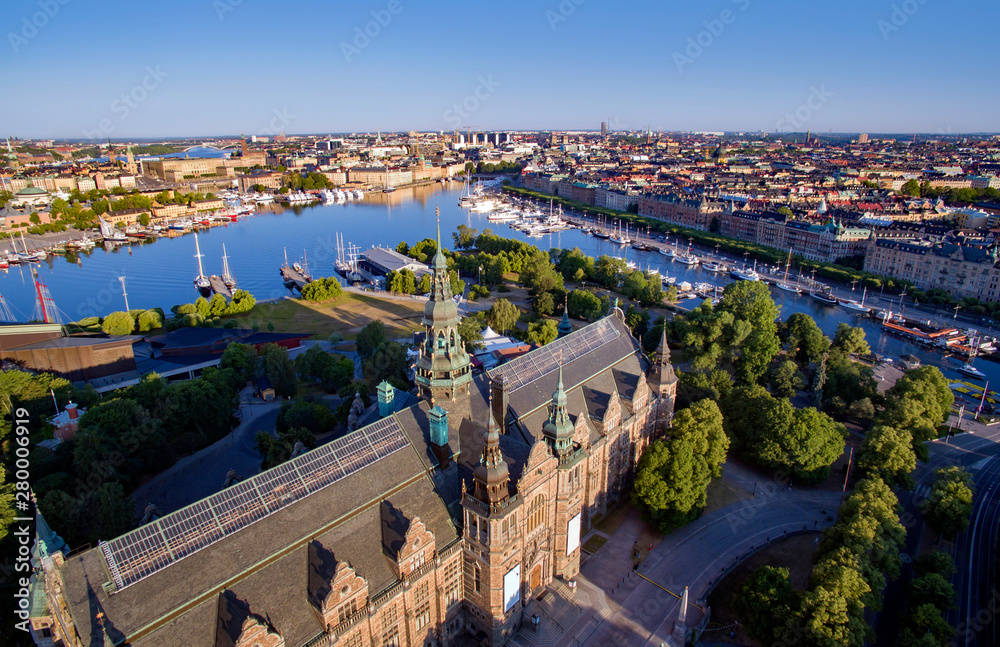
(491,475)
(558,429)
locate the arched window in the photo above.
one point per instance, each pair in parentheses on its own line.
(536,514)
(440,340)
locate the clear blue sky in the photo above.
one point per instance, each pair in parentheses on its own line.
(230,66)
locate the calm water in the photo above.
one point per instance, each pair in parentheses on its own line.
(160,273)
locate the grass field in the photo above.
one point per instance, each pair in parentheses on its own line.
(346,315)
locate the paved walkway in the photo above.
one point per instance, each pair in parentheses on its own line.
(612,605)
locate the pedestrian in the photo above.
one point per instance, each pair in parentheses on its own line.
(650,548)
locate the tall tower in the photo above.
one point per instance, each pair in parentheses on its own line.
(443,369)
(243,146)
(493,553)
(663,381)
(558,430)
(130,161)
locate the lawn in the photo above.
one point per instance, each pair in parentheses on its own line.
(346,315)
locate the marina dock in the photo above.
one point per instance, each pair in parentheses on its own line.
(293,278)
(219,287)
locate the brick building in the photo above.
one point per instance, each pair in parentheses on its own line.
(432,525)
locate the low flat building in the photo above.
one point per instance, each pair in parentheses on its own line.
(380,261)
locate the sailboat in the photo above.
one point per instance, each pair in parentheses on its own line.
(24,257)
(854,306)
(201,282)
(668,251)
(227,275)
(301,269)
(688,258)
(784,284)
(621,238)
(466,199)
(388,186)
(968,368)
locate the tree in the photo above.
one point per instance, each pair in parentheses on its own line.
(807,447)
(465,237)
(542,332)
(470,329)
(279,370)
(910,188)
(402,282)
(118,323)
(275,451)
(388,362)
(851,340)
(673,476)
(923,621)
(766,603)
(949,505)
(502,315)
(217,305)
(585,305)
(932,588)
(425,284)
(751,302)
(544,304)
(370,338)
(804,338)
(787,380)
(304,414)
(322,289)
(888,452)
(919,402)
(201,306)
(241,302)
(242,358)
(150,320)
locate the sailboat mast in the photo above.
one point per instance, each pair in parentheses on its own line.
(225,263)
(197,249)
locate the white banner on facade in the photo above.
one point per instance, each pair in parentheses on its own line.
(573,534)
(512,587)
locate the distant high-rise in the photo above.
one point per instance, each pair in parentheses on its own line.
(604,129)
(863,138)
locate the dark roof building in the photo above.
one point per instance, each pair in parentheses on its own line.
(434,524)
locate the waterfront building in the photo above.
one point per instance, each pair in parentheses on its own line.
(433,523)
(962,266)
(31,196)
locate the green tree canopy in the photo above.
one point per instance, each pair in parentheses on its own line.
(949,505)
(673,476)
(851,340)
(502,315)
(118,323)
(804,338)
(888,453)
(370,338)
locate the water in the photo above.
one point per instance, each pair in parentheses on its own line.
(160,273)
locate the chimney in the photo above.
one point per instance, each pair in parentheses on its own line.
(73,412)
(498,388)
(386,396)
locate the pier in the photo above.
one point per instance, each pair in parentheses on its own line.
(219,287)
(293,278)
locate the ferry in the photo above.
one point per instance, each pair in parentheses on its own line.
(971,371)
(745,274)
(687,259)
(712,266)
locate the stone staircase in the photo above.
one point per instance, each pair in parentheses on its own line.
(564,613)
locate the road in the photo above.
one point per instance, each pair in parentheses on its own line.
(976,558)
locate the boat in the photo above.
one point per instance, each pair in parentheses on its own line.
(109,233)
(227,276)
(669,253)
(712,266)
(358,194)
(784,284)
(856,306)
(971,371)
(620,238)
(744,274)
(201,282)
(824,296)
(601,234)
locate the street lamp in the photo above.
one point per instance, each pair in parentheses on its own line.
(853,283)
(957,308)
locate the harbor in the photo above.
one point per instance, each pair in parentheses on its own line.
(85,282)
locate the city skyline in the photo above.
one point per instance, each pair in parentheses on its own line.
(222,67)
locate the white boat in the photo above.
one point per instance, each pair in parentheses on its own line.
(788,287)
(264,198)
(109,233)
(855,306)
(687,259)
(712,266)
(971,371)
(669,253)
(227,275)
(358,194)
(745,274)
(483,205)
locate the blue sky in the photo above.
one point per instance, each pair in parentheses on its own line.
(203,67)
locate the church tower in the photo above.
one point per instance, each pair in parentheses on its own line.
(493,542)
(558,430)
(443,370)
(663,381)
